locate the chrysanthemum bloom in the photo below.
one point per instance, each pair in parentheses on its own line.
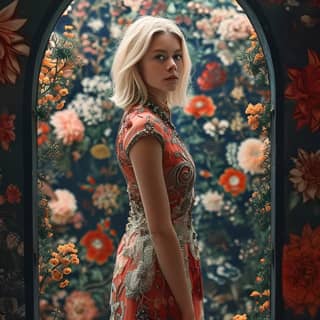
(251,155)
(200,106)
(99,246)
(301,272)
(233,181)
(62,209)
(306,175)
(105,196)
(68,127)
(212,201)
(13,194)
(7,134)
(79,305)
(305,89)
(11,44)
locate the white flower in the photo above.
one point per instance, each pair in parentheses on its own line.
(251,155)
(226,57)
(95,24)
(212,201)
(215,126)
(88,108)
(107,132)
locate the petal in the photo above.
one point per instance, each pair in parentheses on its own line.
(12,25)
(22,49)
(7,12)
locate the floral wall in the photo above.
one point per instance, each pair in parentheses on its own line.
(82,203)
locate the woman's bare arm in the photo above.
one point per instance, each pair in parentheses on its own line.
(146,158)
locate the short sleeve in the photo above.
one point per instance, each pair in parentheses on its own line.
(142,125)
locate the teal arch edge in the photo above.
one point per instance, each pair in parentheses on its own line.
(38,45)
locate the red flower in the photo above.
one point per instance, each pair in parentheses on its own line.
(13,194)
(43,130)
(200,106)
(305,89)
(99,246)
(212,76)
(11,44)
(7,134)
(233,181)
(301,272)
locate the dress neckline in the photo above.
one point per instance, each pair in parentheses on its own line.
(165,116)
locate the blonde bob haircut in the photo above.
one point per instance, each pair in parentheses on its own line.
(128,86)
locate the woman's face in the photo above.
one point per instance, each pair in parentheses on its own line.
(162,65)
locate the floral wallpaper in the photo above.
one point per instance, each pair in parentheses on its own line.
(83,199)
(12,47)
(226,126)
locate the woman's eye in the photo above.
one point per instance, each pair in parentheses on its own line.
(178,57)
(160,57)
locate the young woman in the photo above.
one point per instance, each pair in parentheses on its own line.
(157,271)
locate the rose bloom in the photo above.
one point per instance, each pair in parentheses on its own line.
(305,89)
(68,127)
(251,155)
(79,305)
(233,181)
(212,76)
(301,272)
(306,175)
(62,209)
(200,106)
(7,134)
(11,44)
(212,201)
(235,28)
(99,246)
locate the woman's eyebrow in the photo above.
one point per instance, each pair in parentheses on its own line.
(165,51)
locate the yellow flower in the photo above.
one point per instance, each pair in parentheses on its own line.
(100,151)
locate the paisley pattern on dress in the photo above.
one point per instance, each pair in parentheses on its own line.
(139,289)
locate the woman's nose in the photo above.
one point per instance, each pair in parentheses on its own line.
(171,64)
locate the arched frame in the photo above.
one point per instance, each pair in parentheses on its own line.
(39,43)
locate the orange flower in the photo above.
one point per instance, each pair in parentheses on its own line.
(305,90)
(11,44)
(240,317)
(253,122)
(301,272)
(64,284)
(257,108)
(13,194)
(233,181)
(99,246)
(205,173)
(42,131)
(56,275)
(200,106)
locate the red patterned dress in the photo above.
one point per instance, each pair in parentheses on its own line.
(139,290)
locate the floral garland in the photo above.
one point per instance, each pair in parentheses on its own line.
(259,119)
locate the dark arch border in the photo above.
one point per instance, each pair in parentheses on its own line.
(39,43)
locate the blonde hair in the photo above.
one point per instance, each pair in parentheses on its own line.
(128,86)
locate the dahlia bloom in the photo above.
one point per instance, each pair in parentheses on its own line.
(68,127)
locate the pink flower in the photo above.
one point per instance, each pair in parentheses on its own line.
(306,175)
(7,134)
(79,305)
(251,155)
(212,201)
(11,44)
(68,127)
(63,209)
(235,28)
(133,4)
(105,196)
